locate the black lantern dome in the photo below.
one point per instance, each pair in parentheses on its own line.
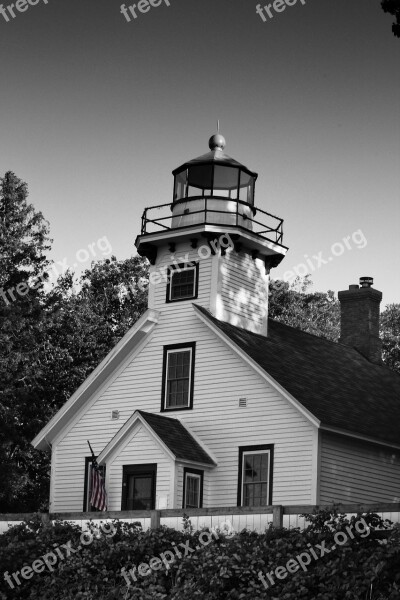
(214,174)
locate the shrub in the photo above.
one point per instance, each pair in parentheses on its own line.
(216,566)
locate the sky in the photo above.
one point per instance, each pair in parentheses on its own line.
(96,111)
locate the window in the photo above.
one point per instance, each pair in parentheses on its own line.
(255,475)
(139,487)
(192,488)
(178,377)
(87,507)
(183,282)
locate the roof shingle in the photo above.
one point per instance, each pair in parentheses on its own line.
(177,438)
(334,382)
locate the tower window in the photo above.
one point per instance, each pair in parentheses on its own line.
(178,376)
(183,281)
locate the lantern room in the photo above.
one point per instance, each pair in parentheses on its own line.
(214,174)
(214,188)
(212,194)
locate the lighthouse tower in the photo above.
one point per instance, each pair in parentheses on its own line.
(211,245)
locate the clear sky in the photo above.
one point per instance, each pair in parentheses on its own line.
(96,112)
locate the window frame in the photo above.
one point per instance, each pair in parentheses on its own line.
(198,474)
(191,346)
(87,507)
(142,469)
(178,268)
(258,449)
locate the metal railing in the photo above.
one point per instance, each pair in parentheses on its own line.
(268,227)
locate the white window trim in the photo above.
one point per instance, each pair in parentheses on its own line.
(179,270)
(242,483)
(175,351)
(193,476)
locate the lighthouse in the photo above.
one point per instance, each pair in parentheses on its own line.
(211,245)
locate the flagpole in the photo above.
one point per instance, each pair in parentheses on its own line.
(91,450)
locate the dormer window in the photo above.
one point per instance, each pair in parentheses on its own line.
(183,282)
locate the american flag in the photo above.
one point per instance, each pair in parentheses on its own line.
(98,494)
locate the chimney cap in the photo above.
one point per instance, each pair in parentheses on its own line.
(366,282)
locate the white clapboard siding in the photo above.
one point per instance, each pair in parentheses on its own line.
(355,471)
(244,287)
(140,449)
(221,378)
(183,253)
(235,282)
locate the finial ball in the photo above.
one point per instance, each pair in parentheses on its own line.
(217,141)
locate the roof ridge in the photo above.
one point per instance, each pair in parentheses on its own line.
(145,412)
(265,337)
(321,338)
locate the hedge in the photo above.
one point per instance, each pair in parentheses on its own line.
(334,558)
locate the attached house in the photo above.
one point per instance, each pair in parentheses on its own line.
(206,402)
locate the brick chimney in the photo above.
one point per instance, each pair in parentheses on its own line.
(359,325)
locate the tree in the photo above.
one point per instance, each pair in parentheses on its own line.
(84,325)
(24,242)
(393,7)
(295,305)
(23,238)
(390,336)
(50,341)
(319,313)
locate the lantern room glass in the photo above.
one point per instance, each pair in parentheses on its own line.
(219,181)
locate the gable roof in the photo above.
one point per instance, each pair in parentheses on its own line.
(334,382)
(172,434)
(177,438)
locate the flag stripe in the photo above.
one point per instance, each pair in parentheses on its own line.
(98,496)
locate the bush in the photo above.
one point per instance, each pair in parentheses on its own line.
(208,565)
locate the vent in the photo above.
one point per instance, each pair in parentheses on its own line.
(242,402)
(115,414)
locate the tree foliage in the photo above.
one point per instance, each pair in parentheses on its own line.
(390,336)
(297,306)
(319,313)
(393,7)
(50,340)
(24,242)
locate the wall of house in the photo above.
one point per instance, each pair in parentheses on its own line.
(233,286)
(221,378)
(356,471)
(138,450)
(183,254)
(242,297)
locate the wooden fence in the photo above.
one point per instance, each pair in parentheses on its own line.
(233,518)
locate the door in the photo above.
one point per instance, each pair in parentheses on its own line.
(139,487)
